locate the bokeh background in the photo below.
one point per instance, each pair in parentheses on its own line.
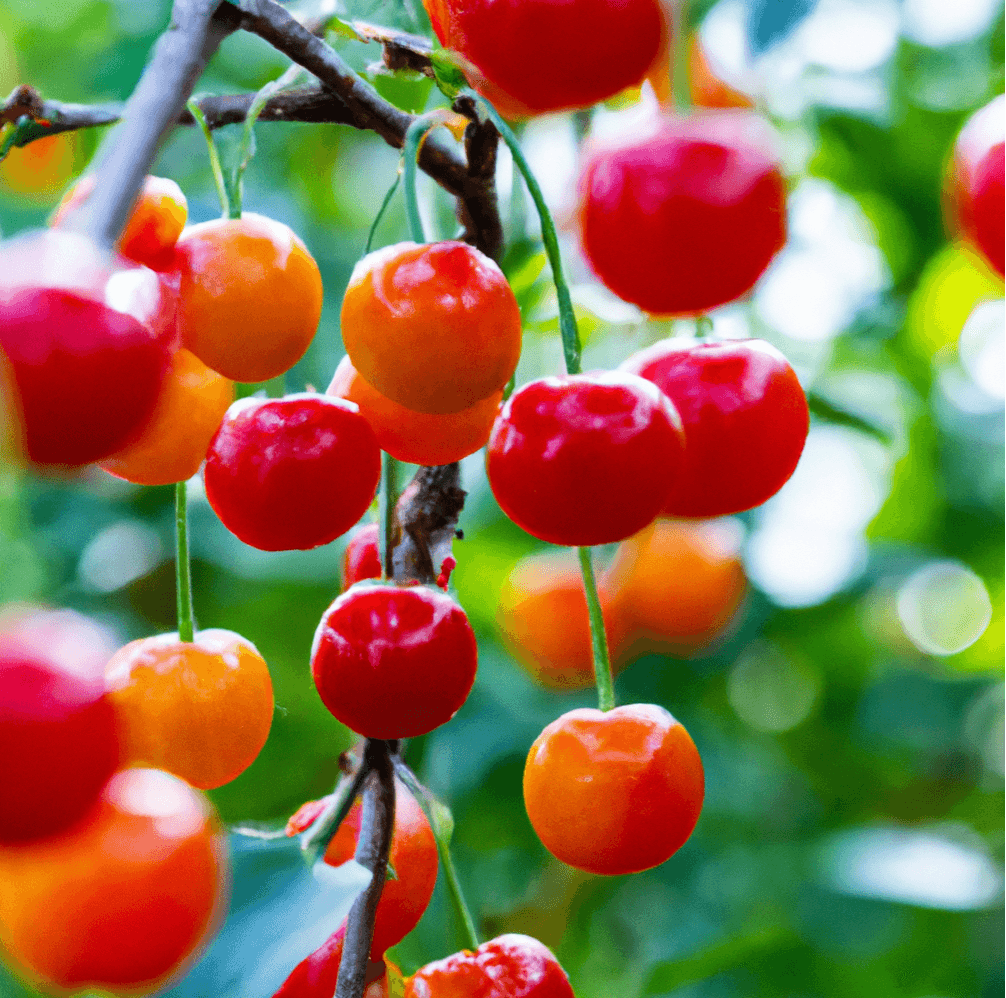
(851,721)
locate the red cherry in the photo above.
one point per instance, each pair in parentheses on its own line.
(975,196)
(292,473)
(362,560)
(510,966)
(393,662)
(59,742)
(687,218)
(533,56)
(745,417)
(584,459)
(85,345)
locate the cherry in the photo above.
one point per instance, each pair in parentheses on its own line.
(393,662)
(361,560)
(434,328)
(154,226)
(974,193)
(123,901)
(584,459)
(677,584)
(510,966)
(614,792)
(533,56)
(59,738)
(417,437)
(250,296)
(201,710)
(292,473)
(546,588)
(745,417)
(86,342)
(189,408)
(686,218)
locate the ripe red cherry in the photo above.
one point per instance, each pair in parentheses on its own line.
(393,662)
(533,56)
(510,966)
(85,345)
(686,218)
(585,459)
(362,559)
(292,473)
(59,742)
(975,183)
(745,417)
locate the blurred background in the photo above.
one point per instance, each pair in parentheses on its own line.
(850,717)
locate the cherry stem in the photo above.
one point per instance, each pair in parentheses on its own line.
(414,136)
(382,210)
(315,840)
(183,567)
(681,87)
(386,513)
(703,327)
(373,846)
(567,317)
(218,174)
(598,639)
(442,823)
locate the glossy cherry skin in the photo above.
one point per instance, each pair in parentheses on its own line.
(250,296)
(417,437)
(87,343)
(172,446)
(584,459)
(686,218)
(434,328)
(510,966)
(393,662)
(201,710)
(413,856)
(156,222)
(745,417)
(292,473)
(535,56)
(316,975)
(362,559)
(123,901)
(614,792)
(59,740)
(543,589)
(975,196)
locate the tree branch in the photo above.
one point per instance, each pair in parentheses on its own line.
(197,28)
(372,849)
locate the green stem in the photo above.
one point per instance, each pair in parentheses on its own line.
(218,173)
(442,823)
(681,86)
(703,327)
(386,512)
(410,153)
(567,317)
(183,569)
(598,640)
(381,211)
(314,841)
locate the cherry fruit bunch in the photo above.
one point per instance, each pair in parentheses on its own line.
(129,360)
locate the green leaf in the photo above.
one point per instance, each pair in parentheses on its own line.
(447,72)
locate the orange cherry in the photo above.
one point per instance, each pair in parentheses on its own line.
(678,583)
(201,710)
(417,437)
(249,298)
(191,404)
(154,226)
(123,900)
(39,169)
(435,328)
(541,590)
(614,792)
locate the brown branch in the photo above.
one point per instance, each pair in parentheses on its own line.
(372,849)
